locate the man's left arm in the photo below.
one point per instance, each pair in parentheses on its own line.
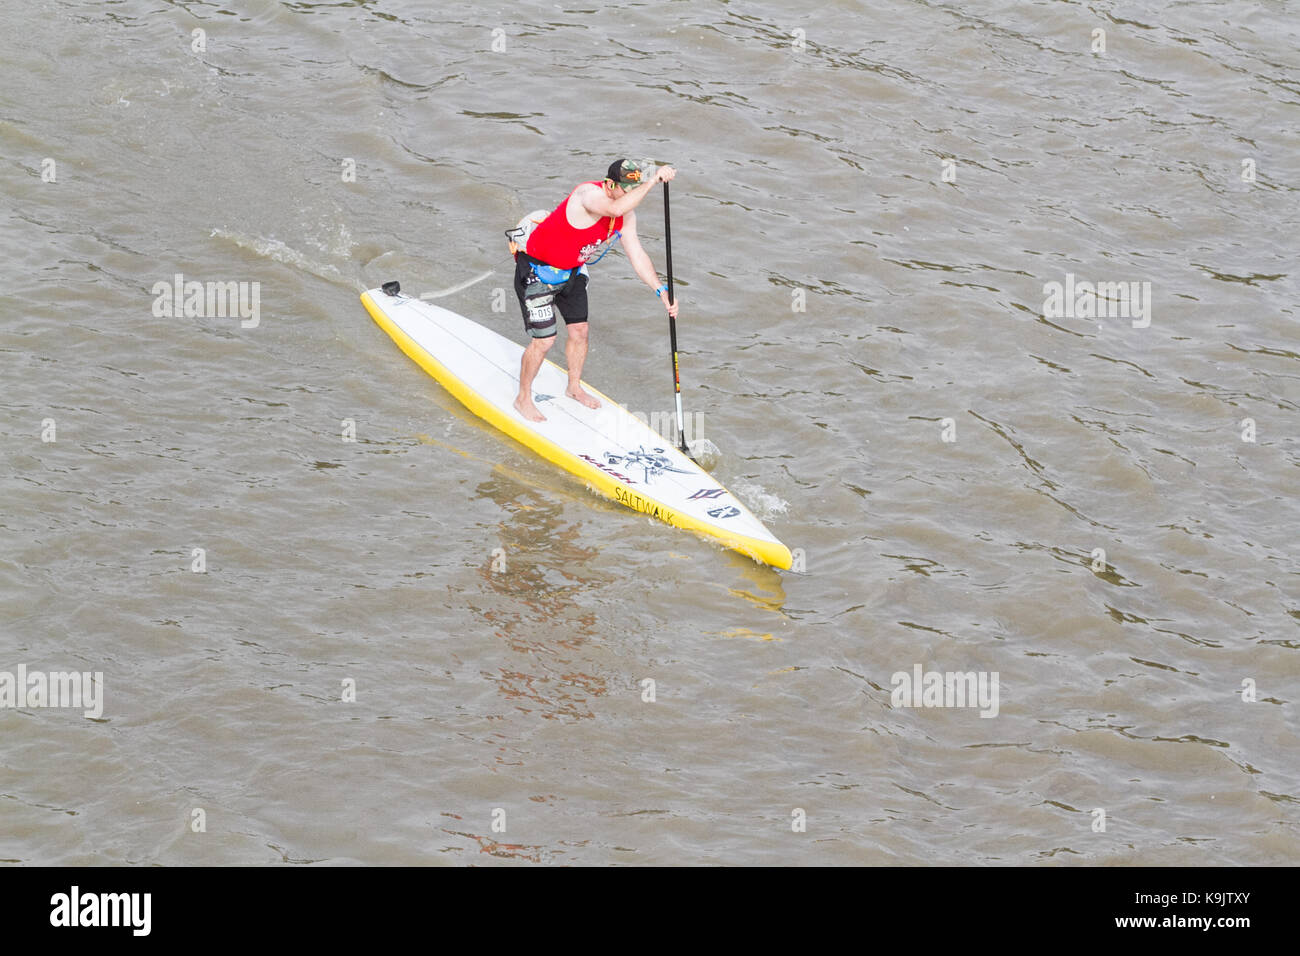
(640,261)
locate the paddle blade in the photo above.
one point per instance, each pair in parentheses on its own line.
(706,454)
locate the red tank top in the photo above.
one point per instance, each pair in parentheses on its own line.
(559,244)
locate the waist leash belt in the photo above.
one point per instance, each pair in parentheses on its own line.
(543,285)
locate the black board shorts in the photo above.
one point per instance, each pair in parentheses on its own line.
(571,299)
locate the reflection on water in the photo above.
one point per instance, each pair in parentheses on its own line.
(542,571)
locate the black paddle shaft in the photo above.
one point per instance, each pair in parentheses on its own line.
(668,255)
(672,326)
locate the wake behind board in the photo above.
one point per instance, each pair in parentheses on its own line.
(610,449)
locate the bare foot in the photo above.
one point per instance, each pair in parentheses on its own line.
(528,410)
(576,393)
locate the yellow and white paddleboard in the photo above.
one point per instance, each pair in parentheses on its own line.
(610,449)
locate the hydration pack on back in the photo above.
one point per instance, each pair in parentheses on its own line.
(518,236)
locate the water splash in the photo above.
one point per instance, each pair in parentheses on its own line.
(278,251)
(759,500)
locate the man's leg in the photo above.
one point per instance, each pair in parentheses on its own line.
(573,305)
(542,337)
(528,366)
(575,354)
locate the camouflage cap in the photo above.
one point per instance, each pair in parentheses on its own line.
(630,173)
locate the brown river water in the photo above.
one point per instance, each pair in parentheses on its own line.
(427,645)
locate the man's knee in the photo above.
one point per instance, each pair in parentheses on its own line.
(541,346)
(577,331)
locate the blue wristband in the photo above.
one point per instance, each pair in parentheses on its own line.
(661,290)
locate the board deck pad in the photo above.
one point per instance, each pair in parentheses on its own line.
(612,450)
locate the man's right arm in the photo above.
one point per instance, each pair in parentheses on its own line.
(598,204)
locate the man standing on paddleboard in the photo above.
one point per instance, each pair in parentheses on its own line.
(551,270)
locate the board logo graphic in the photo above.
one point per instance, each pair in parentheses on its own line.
(652,463)
(708,493)
(608,470)
(726,511)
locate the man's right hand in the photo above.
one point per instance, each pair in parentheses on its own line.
(664,173)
